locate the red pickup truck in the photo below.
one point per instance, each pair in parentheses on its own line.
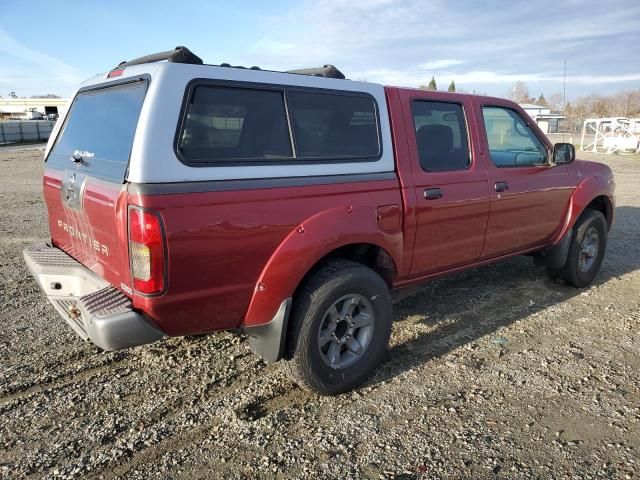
(186,198)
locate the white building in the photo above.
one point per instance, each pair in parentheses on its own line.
(547,121)
(29,108)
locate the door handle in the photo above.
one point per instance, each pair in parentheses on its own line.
(501,186)
(432,193)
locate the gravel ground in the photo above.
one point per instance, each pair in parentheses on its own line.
(495,372)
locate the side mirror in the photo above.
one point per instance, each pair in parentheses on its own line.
(564,153)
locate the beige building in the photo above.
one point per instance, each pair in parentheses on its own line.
(31,108)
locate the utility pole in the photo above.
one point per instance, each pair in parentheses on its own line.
(564,95)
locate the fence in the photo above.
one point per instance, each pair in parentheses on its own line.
(25,131)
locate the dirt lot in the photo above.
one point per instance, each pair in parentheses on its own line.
(495,372)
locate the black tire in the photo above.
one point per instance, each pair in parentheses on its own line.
(307,365)
(573,271)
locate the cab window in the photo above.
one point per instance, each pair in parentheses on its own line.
(511,141)
(441,136)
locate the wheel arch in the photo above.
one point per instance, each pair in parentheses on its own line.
(371,255)
(268,340)
(367,252)
(555,256)
(593,192)
(603,204)
(352,233)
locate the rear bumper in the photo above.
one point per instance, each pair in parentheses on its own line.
(96,310)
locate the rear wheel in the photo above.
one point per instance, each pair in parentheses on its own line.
(586,251)
(340,327)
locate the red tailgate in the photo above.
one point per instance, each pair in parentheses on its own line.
(87,219)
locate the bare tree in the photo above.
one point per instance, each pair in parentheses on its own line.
(625,103)
(601,107)
(555,102)
(519,93)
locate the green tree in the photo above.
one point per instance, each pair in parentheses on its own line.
(452,86)
(542,101)
(432,84)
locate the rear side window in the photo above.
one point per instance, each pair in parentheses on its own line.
(101,125)
(225,124)
(333,126)
(511,141)
(441,136)
(235,124)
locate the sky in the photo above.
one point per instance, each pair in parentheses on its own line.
(485,46)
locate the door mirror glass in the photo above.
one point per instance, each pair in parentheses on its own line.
(564,153)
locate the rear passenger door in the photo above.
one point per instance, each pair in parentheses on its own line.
(529,193)
(449,179)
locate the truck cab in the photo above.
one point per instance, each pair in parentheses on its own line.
(186,198)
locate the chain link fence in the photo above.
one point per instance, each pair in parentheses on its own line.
(25,131)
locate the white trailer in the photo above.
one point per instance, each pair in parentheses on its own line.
(611,135)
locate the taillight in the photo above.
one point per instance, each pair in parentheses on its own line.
(146,251)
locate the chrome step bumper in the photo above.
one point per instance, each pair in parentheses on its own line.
(96,310)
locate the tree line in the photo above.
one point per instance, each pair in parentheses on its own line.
(625,103)
(433,86)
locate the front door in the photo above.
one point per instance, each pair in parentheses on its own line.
(450,183)
(529,193)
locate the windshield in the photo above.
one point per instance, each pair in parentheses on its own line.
(99,131)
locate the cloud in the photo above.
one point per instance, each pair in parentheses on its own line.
(266,44)
(405,42)
(494,78)
(480,45)
(413,77)
(25,70)
(440,64)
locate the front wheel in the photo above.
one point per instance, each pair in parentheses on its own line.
(586,250)
(340,327)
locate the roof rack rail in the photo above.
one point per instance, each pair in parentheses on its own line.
(184,55)
(177,55)
(238,66)
(327,71)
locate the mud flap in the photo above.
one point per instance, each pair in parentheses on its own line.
(268,340)
(555,257)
